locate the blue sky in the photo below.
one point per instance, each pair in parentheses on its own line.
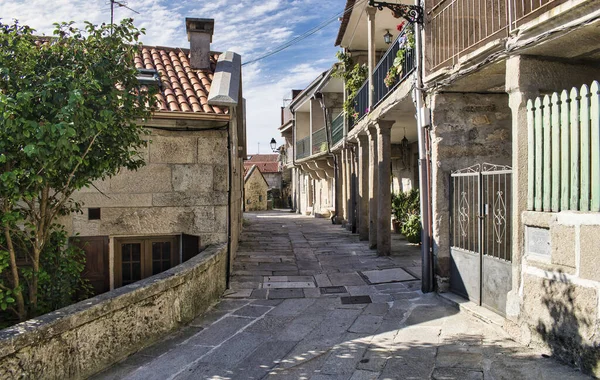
(248,27)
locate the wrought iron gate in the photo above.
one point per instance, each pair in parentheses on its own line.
(480,251)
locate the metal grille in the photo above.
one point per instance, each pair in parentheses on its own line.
(481,204)
(496,206)
(465,204)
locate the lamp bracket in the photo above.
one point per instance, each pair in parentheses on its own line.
(412,13)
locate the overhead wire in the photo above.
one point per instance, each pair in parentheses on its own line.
(306,34)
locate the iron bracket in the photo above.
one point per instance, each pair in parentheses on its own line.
(412,13)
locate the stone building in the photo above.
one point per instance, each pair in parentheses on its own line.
(493,114)
(187,196)
(255,190)
(509,118)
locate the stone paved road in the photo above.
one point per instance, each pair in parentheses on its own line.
(291,315)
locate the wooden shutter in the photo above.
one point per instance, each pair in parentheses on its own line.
(96,261)
(190,246)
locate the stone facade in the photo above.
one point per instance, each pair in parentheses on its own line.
(467,129)
(255,190)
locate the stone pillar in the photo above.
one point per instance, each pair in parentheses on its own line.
(363,187)
(343,185)
(384,197)
(338,189)
(371,11)
(349,189)
(373,186)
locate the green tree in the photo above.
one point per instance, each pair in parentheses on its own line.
(69,112)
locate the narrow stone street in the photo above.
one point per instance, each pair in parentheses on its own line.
(309,301)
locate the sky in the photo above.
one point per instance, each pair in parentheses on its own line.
(248,27)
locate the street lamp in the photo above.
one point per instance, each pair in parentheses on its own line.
(387,37)
(273,144)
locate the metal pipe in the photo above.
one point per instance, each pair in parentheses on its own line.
(424,173)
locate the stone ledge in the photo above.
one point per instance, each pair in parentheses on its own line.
(473,309)
(35,348)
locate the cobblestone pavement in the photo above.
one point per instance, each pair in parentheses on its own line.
(309,301)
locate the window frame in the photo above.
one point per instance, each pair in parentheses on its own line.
(145,254)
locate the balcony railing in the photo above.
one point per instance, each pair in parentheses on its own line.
(319,141)
(361,103)
(458,27)
(385,63)
(361,107)
(337,129)
(303,148)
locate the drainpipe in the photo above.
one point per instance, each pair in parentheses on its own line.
(424,173)
(229,187)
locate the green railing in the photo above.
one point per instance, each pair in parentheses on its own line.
(564,151)
(319,141)
(337,129)
(303,148)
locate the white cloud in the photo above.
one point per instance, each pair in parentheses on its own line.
(247,27)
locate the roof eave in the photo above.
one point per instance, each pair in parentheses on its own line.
(345,20)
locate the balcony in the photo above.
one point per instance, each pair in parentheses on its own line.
(337,129)
(303,148)
(381,91)
(319,141)
(458,27)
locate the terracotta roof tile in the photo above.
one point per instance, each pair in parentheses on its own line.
(183,88)
(264,167)
(263,158)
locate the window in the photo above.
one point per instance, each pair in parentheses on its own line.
(260,198)
(93,214)
(138,258)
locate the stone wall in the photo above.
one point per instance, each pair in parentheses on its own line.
(80,340)
(467,129)
(560,287)
(255,192)
(182,189)
(405,175)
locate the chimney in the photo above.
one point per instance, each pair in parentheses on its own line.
(200,31)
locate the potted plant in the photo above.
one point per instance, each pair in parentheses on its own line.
(405,42)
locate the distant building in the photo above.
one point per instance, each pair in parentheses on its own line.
(255,190)
(270,168)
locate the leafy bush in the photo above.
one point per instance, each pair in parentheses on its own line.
(406,212)
(59,275)
(411,229)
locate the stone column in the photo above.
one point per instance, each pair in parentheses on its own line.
(384,200)
(338,189)
(343,185)
(373,186)
(363,187)
(349,189)
(371,11)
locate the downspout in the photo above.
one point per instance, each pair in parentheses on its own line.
(424,173)
(229,189)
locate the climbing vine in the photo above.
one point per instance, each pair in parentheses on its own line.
(354,76)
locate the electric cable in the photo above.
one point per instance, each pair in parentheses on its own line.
(304,35)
